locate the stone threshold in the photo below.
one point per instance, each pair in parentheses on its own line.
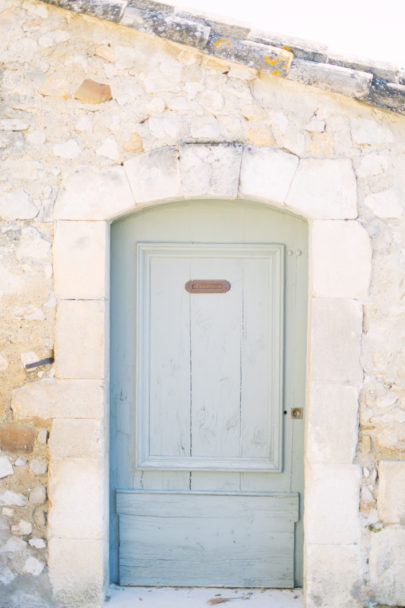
(377,84)
(164,597)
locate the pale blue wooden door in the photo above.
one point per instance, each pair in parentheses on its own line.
(206,471)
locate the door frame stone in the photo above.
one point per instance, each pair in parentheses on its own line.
(323,191)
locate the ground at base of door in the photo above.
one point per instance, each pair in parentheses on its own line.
(147,597)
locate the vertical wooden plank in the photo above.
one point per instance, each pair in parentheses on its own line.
(169,365)
(256,389)
(215,352)
(215,480)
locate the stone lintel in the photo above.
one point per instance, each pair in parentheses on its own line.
(377,84)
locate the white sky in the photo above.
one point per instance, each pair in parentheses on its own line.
(368,29)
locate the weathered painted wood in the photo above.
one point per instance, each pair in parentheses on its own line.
(207,222)
(167,346)
(209,372)
(216,375)
(224,539)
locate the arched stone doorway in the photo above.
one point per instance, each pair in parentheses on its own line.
(339,271)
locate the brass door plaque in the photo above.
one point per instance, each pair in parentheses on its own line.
(207,286)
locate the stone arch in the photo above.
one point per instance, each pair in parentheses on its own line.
(322,191)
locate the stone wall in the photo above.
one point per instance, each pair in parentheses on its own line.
(74,151)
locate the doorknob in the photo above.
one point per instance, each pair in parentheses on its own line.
(296,413)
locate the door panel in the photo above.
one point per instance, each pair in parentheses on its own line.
(201,391)
(192,538)
(209,367)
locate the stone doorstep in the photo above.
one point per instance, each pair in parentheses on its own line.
(147,597)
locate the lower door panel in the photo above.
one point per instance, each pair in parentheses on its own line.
(206,538)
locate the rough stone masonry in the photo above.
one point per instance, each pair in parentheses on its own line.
(97,100)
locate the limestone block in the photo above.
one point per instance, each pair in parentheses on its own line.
(341,259)
(332,423)
(37,543)
(37,495)
(335,340)
(53,38)
(33,566)
(38,466)
(315,125)
(90,194)
(49,398)
(183,30)
(109,149)
(134,144)
(384,204)
(76,439)
(391,491)
(91,91)
(266,174)
(324,189)
(17,437)
(205,128)
(387,565)
(20,462)
(260,135)
(76,494)
(13,545)
(210,171)
(332,504)
(106,52)
(389,95)
(32,246)
(13,124)
(55,85)
(345,81)
(334,576)
(17,205)
(374,163)
(6,467)
(80,259)
(12,499)
(80,339)
(154,176)
(366,131)
(67,149)
(76,571)
(23,528)
(6,576)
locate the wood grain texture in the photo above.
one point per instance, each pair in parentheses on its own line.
(187,539)
(209,372)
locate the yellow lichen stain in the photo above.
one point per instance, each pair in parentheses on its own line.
(223,41)
(271,61)
(282,60)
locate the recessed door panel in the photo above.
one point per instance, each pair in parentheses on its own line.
(209,371)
